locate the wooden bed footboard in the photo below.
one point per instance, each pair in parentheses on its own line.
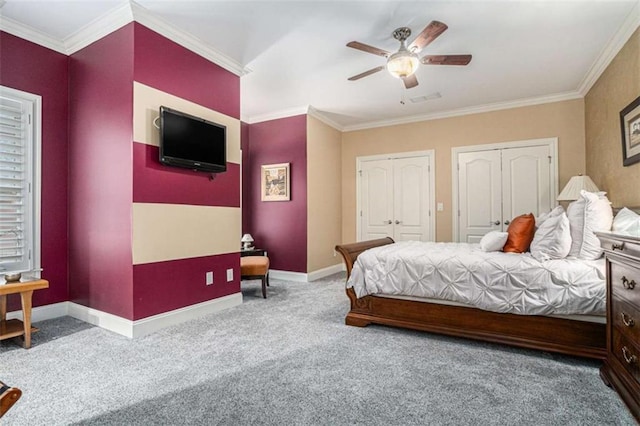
(567,336)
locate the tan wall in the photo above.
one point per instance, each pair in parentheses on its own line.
(616,88)
(324,202)
(564,120)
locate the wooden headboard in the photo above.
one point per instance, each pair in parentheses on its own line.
(351,251)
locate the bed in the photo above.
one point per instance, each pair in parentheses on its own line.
(557,330)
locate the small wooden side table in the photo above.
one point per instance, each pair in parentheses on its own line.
(15,327)
(253,252)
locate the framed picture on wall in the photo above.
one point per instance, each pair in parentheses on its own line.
(630,124)
(275,184)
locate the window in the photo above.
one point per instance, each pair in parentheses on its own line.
(19,181)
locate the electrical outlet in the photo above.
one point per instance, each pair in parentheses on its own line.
(229,275)
(335,253)
(440,207)
(209,278)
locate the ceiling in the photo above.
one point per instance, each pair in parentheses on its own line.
(292,54)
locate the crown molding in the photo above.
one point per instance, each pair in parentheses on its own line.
(285,113)
(559,97)
(292,112)
(162,27)
(326,120)
(115,19)
(629,26)
(25,32)
(98,28)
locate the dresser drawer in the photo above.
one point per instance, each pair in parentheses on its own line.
(626,318)
(625,281)
(627,353)
(615,245)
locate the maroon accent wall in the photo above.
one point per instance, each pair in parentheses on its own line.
(31,68)
(100,174)
(166,286)
(167,66)
(280,227)
(156,183)
(92,169)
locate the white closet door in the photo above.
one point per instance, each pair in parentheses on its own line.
(479,194)
(377,199)
(412,188)
(526,181)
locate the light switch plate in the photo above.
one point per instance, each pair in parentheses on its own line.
(209,278)
(229,275)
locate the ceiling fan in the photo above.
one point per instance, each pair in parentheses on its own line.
(404,63)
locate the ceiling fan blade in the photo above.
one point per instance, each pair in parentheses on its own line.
(430,33)
(410,81)
(368,49)
(366,73)
(446,59)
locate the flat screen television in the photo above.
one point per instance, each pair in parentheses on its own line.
(192,142)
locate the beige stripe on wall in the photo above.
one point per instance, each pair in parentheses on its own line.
(164,232)
(147,102)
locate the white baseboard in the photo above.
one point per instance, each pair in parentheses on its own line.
(150,324)
(127,327)
(301,277)
(101,319)
(325,272)
(276,274)
(41,313)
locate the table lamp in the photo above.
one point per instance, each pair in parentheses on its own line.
(571,191)
(246,241)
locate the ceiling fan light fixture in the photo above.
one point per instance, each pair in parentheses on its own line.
(402,64)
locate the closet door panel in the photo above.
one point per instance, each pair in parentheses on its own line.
(377,200)
(526,181)
(479,194)
(412,195)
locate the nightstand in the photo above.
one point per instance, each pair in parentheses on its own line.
(253,252)
(621,369)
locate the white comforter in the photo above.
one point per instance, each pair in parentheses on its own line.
(496,281)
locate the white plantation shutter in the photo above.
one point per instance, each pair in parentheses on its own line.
(16,180)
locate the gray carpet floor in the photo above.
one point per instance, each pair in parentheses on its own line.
(290,360)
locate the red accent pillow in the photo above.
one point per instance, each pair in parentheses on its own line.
(521,231)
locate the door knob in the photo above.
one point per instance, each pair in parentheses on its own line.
(506,222)
(389,222)
(398,222)
(497,222)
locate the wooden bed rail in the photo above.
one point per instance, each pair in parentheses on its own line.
(351,251)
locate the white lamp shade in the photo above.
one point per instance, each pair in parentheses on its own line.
(246,238)
(571,191)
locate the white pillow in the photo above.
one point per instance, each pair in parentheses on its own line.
(552,239)
(626,221)
(557,211)
(493,240)
(590,213)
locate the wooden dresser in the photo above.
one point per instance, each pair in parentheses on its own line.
(621,368)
